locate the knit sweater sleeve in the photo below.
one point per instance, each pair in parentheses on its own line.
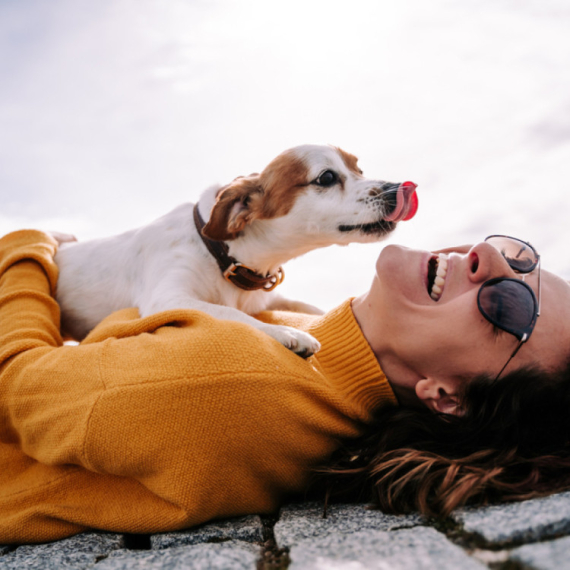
(161,422)
(57,402)
(38,375)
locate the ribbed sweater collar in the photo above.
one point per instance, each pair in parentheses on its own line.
(347,359)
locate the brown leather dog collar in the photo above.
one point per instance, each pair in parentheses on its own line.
(232,270)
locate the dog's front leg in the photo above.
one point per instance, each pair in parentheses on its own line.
(279,303)
(298,341)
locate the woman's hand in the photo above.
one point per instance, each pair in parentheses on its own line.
(60,237)
(456,249)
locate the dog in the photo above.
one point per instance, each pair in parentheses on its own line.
(224,255)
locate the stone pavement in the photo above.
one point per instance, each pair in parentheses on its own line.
(533,534)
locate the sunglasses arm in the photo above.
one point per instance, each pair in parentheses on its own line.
(539,289)
(521,342)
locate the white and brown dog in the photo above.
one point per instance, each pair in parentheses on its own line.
(308,197)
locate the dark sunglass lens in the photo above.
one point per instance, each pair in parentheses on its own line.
(508,305)
(518,254)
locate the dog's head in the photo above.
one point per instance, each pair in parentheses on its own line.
(312,190)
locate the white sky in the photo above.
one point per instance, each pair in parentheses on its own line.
(113,112)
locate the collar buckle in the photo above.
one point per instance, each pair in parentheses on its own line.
(232,270)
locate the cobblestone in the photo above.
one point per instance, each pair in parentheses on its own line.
(536,519)
(552,555)
(532,535)
(223,556)
(248,529)
(305,521)
(418,549)
(78,552)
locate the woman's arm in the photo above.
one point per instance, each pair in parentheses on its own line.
(43,405)
(198,418)
(29,316)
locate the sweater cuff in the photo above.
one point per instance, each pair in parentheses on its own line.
(33,245)
(348,359)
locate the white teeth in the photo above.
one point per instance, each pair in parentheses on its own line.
(440,275)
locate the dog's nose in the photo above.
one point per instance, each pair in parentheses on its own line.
(401,201)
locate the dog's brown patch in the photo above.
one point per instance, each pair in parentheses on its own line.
(268,195)
(350,161)
(282,181)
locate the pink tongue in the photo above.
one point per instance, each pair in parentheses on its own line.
(406,203)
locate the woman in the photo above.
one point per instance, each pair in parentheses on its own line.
(165,422)
(490,358)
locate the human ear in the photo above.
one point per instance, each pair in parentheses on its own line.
(439,396)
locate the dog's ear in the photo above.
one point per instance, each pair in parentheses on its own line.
(236,205)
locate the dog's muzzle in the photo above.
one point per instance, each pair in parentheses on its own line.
(401,201)
(398,202)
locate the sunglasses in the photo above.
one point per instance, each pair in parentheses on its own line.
(510,304)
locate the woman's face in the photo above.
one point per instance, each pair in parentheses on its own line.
(428,349)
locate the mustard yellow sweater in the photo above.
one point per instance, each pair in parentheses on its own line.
(164,422)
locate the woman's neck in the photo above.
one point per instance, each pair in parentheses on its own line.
(401,379)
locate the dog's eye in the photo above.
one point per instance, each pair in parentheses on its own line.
(327,178)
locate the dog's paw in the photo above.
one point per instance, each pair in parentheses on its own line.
(299,342)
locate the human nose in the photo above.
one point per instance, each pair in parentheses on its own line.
(485,262)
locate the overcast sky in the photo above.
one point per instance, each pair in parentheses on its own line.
(113,112)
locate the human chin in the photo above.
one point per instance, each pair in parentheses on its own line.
(404,271)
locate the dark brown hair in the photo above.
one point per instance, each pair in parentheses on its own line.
(512,443)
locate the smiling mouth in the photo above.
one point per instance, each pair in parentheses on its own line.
(380,227)
(437,272)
